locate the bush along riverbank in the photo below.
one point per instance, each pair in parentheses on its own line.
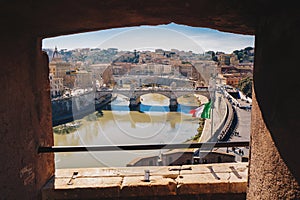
(199,130)
(94,116)
(73,126)
(67,128)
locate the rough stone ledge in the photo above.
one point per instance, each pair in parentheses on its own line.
(165,181)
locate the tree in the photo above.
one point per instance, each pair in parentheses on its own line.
(245,85)
(249,48)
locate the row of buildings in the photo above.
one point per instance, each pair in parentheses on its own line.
(231,71)
(66,76)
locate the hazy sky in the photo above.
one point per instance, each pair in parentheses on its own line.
(170,36)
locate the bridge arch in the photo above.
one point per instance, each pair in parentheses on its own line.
(134,95)
(170,93)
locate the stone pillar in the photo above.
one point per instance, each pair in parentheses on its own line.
(173,104)
(25,118)
(275,136)
(134,104)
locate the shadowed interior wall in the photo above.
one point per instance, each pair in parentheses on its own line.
(275,136)
(25,118)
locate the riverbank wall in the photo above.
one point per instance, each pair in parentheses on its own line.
(211,131)
(65,110)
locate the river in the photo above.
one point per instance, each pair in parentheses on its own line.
(119,126)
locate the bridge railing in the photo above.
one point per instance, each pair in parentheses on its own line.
(205,89)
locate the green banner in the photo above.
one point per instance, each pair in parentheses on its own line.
(206,111)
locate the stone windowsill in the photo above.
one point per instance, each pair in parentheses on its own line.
(127,182)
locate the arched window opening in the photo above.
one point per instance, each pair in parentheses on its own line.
(149,85)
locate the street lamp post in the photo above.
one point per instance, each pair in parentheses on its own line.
(213,96)
(212,112)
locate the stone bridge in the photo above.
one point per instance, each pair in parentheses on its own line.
(135,94)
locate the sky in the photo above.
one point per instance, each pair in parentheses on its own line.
(169,36)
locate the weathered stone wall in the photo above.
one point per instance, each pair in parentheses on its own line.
(177,157)
(274,160)
(66,16)
(269,176)
(144,161)
(25,114)
(216,157)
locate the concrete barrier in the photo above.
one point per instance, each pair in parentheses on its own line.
(226,128)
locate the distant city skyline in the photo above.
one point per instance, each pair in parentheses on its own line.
(170,36)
